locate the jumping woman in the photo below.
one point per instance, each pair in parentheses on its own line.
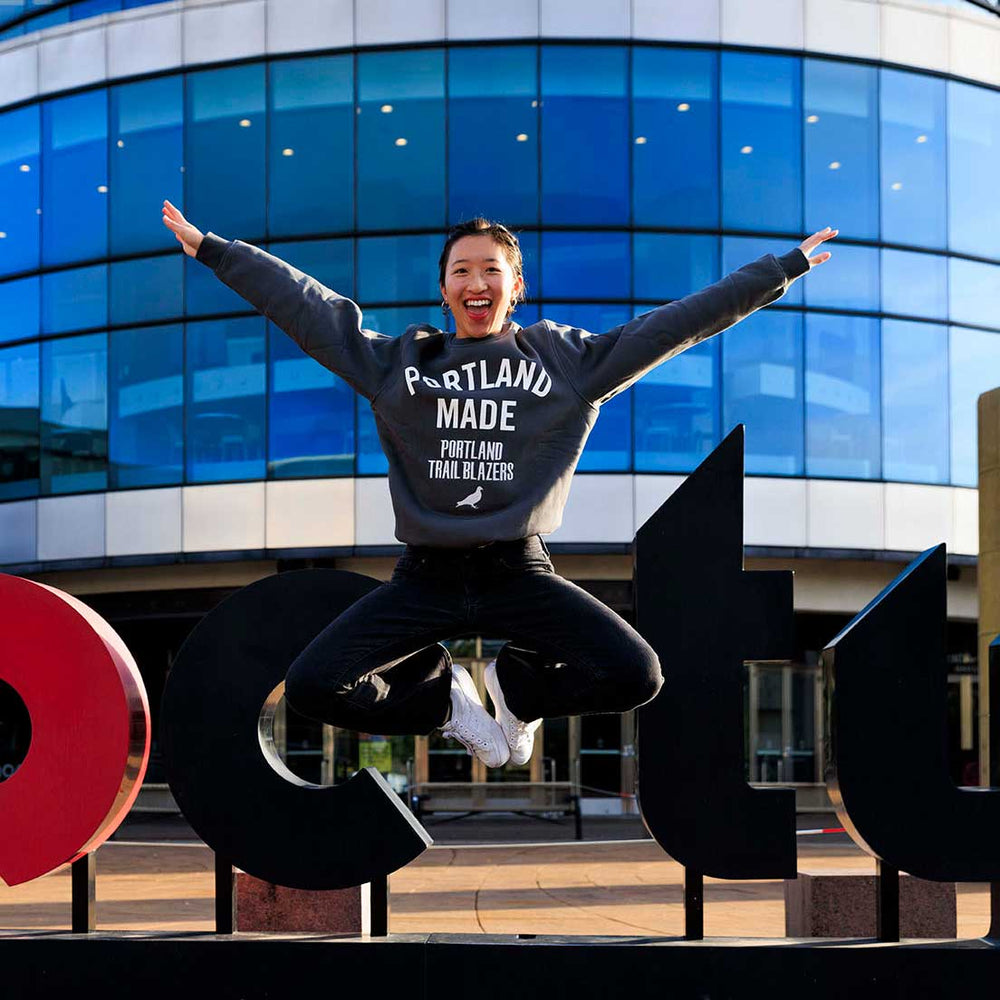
(482,429)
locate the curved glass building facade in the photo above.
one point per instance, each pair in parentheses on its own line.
(634,173)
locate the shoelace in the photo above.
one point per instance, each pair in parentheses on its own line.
(464,736)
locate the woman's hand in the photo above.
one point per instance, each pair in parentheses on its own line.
(189,236)
(808,245)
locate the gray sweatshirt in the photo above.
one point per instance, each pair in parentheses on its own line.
(483,434)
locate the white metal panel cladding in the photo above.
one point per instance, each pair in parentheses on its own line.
(71,58)
(141,522)
(917,517)
(227,516)
(677,20)
(303,25)
(309,513)
(71,527)
(774,512)
(845,27)
(226,31)
(845,515)
(18,531)
(138,45)
(599,509)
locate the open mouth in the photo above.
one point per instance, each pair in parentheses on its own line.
(478,308)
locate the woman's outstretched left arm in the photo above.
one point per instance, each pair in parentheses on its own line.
(602,366)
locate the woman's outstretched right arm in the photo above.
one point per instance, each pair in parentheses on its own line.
(327,326)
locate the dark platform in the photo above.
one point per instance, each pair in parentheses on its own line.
(44,965)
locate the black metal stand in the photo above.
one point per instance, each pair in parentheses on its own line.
(378,902)
(886,902)
(225,896)
(694,906)
(84,893)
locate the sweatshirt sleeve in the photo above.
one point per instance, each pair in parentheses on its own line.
(327,326)
(601,366)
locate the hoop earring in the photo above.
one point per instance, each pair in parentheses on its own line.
(444,306)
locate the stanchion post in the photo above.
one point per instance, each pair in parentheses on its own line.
(886,902)
(84,893)
(225,896)
(378,901)
(694,905)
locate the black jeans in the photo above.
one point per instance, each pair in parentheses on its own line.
(379,668)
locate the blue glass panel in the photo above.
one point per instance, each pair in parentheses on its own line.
(74,435)
(76,299)
(401,139)
(75,179)
(848,280)
(311,158)
(973,150)
(740,250)
(146,389)
(226,373)
(19,309)
(675,145)
(913,159)
(526,314)
(593,317)
(310,415)
(60,16)
(12,9)
(204,294)
(586,265)
(371,458)
(393,322)
(677,411)
(15,32)
(670,267)
(328,261)
(762,388)
(147,289)
(20,200)
(975,369)
(761,142)
(841,147)
(530,260)
(19,421)
(147,154)
(585,138)
(915,402)
(843,402)
(91,8)
(493,134)
(974,292)
(914,284)
(398,268)
(224,151)
(609,447)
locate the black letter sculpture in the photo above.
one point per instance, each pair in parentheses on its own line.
(231,786)
(886,681)
(705,616)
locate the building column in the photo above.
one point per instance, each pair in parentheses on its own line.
(989,560)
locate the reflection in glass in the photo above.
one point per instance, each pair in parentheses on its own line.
(146,397)
(19,308)
(677,411)
(74,428)
(147,289)
(493,134)
(740,250)
(398,268)
(371,458)
(585,139)
(670,266)
(973,150)
(586,265)
(310,415)
(913,188)
(146,151)
(762,388)
(76,299)
(761,142)
(19,421)
(974,368)
(330,262)
(224,151)
(75,178)
(840,130)
(974,292)
(914,284)
(675,111)
(311,146)
(20,180)
(843,406)
(401,151)
(205,295)
(915,402)
(225,370)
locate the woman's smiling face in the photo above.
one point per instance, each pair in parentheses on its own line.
(479,286)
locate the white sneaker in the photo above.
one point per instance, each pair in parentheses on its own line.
(520,735)
(471,724)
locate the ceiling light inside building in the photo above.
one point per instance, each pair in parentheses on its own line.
(386,109)
(921,138)
(288,151)
(244,123)
(835,165)
(812,119)
(684,106)
(896,186)
(400,141)
(522,136)
(747,149)
(640,140)
(24,168)
(102,189)
(121,143)
(3,235)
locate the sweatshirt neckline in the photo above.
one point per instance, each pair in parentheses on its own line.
(454,340)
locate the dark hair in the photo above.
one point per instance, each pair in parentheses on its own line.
(500,235)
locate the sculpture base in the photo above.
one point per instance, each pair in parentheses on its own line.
(832,904)
(263,906)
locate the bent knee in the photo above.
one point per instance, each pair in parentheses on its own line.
(646,679)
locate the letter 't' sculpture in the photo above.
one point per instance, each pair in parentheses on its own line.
(887,770)
(239,797)
(704,615)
